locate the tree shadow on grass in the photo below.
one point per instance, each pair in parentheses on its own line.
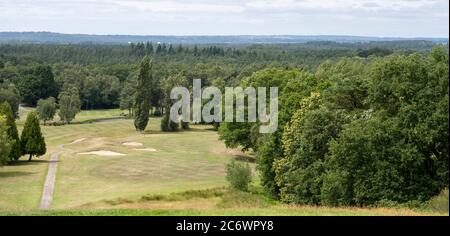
(244,158)
(9,174)
(32,162)
(180,131)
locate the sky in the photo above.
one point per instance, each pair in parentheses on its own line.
(384,18)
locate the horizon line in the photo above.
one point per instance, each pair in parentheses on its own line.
(238,35)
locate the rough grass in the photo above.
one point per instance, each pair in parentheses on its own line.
(213,202)
(187,195)
(439,203)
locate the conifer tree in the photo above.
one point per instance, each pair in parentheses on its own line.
(11,130)
(5,142)
(32,141)
(143,95)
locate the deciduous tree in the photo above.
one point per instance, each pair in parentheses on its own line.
(69,104)
(46,109)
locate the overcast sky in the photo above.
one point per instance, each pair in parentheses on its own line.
(404,18)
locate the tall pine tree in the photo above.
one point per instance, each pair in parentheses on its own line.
(32,141)
(143,95)
(16,150)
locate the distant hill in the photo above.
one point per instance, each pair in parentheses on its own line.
(57,38)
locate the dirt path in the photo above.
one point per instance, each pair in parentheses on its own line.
(49,186)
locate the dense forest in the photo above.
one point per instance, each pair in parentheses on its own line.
(359,123)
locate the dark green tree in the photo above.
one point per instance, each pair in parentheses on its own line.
(143,95)
(36,83)
(9,93)
(398,151)
(16,150)
(32,140)
(5,142)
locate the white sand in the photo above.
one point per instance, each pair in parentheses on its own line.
(102,153)
(146,149)
(133,144)
(78,141)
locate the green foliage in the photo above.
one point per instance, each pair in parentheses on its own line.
(32,141)
(143,95)
(167,125)
(46,109)
(236,135)
(398,151)
(36,83)
(268,154)
(378,52)
(16,150)
(5,142)
(69,104)
(100,91)
(127,95)
(378,132)
(239,175)
(9,93)
(305,143)
(293,85)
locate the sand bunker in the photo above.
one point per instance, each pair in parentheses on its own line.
(146,149)
(133,144)
(78,141)
(102,153)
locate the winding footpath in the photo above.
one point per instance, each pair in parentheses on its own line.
(49,186)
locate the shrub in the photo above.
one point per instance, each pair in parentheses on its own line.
(167,125)
(239,175)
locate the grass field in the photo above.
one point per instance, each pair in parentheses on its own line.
(183,175)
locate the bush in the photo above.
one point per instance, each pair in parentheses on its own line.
(167,125)
(239,175)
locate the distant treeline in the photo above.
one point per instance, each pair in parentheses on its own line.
(310,53)
(56,38)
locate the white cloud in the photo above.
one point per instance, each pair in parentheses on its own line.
(362,17)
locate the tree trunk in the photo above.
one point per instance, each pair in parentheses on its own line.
(31,155)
